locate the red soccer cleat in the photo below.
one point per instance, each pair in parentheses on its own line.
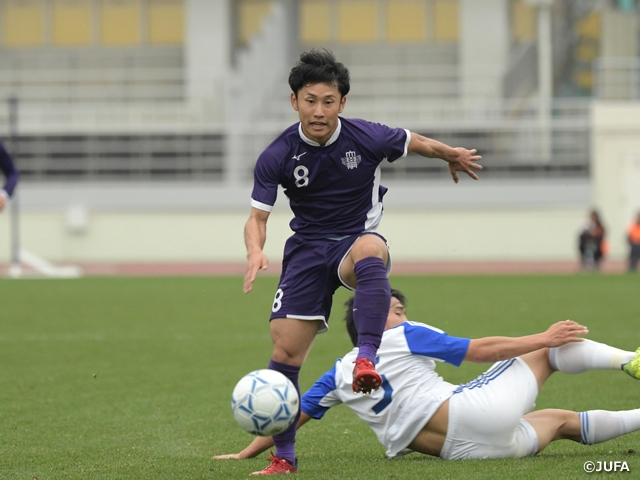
(365,377)
(278,465)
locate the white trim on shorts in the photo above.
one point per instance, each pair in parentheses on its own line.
(387,266)
(325,325)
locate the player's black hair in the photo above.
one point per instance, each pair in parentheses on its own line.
(319,66)
(348,314)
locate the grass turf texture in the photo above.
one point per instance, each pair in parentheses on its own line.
(132,377)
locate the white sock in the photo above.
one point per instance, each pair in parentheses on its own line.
(587,355)
(599,425)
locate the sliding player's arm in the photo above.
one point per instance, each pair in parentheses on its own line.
(494,349)
(259,444)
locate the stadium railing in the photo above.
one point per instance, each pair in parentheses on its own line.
(617,78)
(508,136)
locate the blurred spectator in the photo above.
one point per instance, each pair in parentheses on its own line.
(592,242)
(9,170)
(634,244)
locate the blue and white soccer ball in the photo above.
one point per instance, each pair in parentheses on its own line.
(265,402)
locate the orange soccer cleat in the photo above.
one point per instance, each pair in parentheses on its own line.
(365,377)
(278,465)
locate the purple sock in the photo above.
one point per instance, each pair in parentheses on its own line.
(285,441)
(371,305)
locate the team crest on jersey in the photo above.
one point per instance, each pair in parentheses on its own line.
(351,161)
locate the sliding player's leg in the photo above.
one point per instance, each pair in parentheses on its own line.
(586,427)
(632,367)
(591,427)
(588,355)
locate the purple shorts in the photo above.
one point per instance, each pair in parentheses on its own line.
(310,277)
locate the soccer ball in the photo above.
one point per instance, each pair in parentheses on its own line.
(265,403)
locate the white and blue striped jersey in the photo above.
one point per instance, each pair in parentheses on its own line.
(411,390)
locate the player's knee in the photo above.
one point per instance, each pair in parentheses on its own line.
(567,425)
(368,248)
(288,354)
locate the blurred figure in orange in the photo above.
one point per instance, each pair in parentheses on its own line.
(592,243)
(633,237)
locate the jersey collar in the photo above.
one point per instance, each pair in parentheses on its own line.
(333,138)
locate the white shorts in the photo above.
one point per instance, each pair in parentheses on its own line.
(485,415)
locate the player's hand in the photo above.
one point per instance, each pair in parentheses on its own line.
(565,332)
(254,449)
(2,202)
(463,160)
(256,262)
(235,456)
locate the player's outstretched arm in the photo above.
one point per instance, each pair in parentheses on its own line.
(459,159)
(259,444)
(255,448)
(255,236)
(493,349)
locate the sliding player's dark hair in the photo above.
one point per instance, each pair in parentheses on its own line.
(348,314)
(319,66)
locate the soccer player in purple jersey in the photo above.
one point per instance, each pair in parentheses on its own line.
(10,172)
(329,168)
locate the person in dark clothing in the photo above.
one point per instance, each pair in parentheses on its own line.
(592,242)
(8,168)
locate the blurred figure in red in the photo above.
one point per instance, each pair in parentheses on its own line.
(633,237)
(592,242)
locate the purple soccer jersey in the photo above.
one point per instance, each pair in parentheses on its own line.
(333,189)
(9,170)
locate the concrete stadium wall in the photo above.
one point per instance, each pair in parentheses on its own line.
(483,221)
(414,235)
(615,167)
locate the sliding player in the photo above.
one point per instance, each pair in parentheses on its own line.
(489,417)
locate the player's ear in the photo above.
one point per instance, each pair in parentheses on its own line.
(294,101)
(343,100)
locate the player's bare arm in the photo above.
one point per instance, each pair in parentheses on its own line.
(255,236)
(3,201)
(493,349)
(258,445)
(459,159)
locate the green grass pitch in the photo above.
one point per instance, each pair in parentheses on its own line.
(131,378)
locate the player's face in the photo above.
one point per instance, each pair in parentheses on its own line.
(318,107)
(397,314)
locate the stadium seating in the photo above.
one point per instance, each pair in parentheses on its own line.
(96,75)
(76,103)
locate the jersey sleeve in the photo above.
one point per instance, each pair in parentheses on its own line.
(321,396)
(432,342)
(393,142)
(9,170)
(265,182)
